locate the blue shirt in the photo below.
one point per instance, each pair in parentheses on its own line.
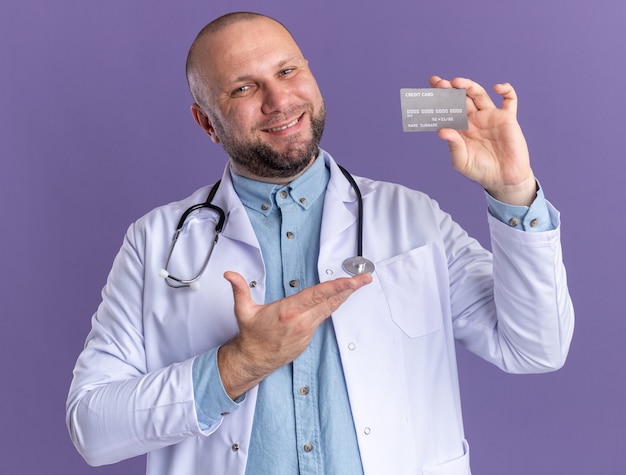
(303,422)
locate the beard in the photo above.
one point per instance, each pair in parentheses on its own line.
(262,160)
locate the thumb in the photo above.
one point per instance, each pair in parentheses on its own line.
(457,147)
(241,292)
(453,138)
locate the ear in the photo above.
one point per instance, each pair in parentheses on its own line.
(204,122)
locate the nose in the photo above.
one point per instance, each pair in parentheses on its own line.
(275,98)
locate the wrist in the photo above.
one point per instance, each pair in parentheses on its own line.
(522,194)
(237,376)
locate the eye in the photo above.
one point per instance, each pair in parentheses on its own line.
(241,90)
(285,72)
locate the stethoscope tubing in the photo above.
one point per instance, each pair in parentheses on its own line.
(352,265)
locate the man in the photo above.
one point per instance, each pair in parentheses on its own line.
(253,377)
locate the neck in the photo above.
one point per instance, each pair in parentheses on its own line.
(273,180)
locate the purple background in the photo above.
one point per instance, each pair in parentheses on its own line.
(95,130)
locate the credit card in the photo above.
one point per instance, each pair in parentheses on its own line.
(429,109)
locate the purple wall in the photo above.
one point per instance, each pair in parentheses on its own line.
(95,130)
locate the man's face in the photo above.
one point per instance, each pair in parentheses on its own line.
(262,101)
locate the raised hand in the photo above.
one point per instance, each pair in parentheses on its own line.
(493,151)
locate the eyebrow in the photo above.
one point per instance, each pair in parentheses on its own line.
(279,65)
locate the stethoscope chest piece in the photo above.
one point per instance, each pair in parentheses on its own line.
(358,265)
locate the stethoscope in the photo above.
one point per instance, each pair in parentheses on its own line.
(352,265)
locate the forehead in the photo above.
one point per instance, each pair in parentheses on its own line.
(245,46)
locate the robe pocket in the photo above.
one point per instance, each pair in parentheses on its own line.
(409,282)
(459,466)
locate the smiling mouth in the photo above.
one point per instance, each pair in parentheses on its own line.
(283,127)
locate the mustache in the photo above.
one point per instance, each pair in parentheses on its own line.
(280,118)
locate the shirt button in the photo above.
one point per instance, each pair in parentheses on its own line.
(235,447)
(290,235)
(304,391)
(534,223)
(303,200)
(513,222)
(308,447)
(253,284)
(265,207)
(293,283)
(351,346)
(283,194)
(367,431)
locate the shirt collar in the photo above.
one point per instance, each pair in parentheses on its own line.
(304,190)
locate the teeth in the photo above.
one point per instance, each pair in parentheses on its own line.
(278,129)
